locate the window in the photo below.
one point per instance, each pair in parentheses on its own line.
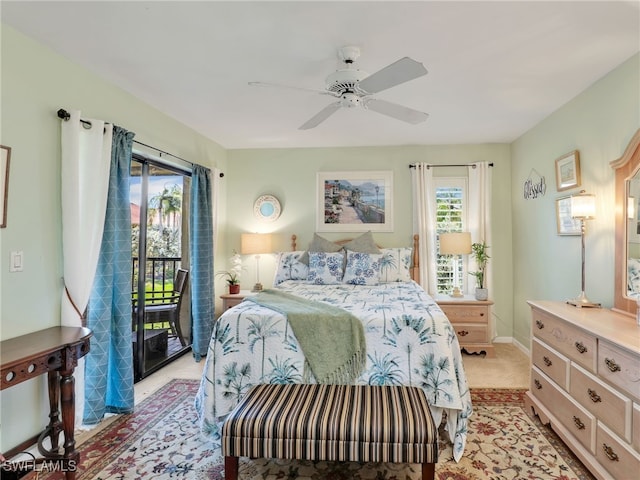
(451,216)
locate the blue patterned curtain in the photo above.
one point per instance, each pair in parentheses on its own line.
(109,364)
(201,247)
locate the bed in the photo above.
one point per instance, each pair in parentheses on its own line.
(409,340)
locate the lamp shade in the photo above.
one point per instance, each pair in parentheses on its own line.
(455,243)
(583,206)
(255,243)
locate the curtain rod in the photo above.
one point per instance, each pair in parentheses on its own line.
(451,165)
(64,115)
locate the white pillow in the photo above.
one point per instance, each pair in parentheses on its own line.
(289,267)
(395,265)
(362,268)
(325,268)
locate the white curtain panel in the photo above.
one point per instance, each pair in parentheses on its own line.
(424,223)
(480,213)
(86,154)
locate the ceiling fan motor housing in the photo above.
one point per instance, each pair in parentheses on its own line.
(345,80)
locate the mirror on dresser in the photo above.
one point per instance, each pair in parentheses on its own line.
(627,217)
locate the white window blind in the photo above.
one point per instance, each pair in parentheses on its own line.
(451,214)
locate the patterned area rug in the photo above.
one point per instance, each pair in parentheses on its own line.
(161,441)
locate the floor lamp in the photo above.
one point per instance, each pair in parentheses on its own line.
(583,208)
(455,243)
(255,244)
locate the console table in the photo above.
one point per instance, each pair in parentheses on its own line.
(54,351)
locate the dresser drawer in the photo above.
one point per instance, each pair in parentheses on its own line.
(614,455)
(466,313)
(620,368)
(554,364)
(471,333)
(572,415)
(576,344)
(635,427)
(604,402)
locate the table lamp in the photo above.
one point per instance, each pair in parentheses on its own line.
(255,244)
(583,207)
(456,244)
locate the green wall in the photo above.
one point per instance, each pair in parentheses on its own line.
(599,124)
(35,83)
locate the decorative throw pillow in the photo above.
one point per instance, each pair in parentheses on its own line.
(362,268)
(319,244)
(325,268)
(395,265)
(364,243)
(288,267)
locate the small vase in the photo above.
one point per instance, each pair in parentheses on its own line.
(233,289)
(482,294)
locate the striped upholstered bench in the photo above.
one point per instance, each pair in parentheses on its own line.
(350,423)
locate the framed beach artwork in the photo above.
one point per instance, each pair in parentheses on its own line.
(566,224)
(355,201)
(5,156)
(568,171)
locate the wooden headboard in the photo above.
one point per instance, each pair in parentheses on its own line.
(414,270)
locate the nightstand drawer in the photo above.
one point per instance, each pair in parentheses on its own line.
(230,300)
(466,313)
(471,333)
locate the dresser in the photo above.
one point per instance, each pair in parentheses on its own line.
(585,382)
(471,320)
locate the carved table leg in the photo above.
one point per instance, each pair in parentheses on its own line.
(55,426)
(67,399)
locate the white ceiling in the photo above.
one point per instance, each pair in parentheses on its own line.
(495,68)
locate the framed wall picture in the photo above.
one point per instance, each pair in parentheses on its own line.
(354,201)
(568,171)
(5,156)
(565,223)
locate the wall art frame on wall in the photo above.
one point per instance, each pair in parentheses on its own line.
(267,208)
(354,201)
(565,223)
(5,157)
(568,171)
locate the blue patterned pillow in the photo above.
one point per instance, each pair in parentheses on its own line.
(288,267)
(362,268)
(395,265)
(325,268)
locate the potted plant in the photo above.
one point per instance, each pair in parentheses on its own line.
(232,276)
(479,253)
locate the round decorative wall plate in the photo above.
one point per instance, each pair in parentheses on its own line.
(267,207)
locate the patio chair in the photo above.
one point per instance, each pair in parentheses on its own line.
(161,307)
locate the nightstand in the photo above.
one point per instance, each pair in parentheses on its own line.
(471,320)
(232,299)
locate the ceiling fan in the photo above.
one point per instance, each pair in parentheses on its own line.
(355,88)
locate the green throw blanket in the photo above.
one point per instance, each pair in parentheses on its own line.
(331,338)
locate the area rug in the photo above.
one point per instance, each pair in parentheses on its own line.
(161,441)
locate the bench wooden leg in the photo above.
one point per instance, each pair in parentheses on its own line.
(428,471)
(231,468)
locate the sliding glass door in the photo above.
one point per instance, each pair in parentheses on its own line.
(160,300)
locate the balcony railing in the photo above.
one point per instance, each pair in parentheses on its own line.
(159,274)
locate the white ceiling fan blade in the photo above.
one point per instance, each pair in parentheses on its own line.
(398,72)
(394,110)
(277,85)
(321,116)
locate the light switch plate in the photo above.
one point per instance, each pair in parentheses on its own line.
(17,259)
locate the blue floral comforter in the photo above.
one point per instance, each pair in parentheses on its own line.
(409,342)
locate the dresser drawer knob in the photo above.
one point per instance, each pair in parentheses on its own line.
(546,361)
(608,451)
(580,347)
(612,365)
(595,398)
(578,423)
(537,384)
(463,333)
(539,324)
